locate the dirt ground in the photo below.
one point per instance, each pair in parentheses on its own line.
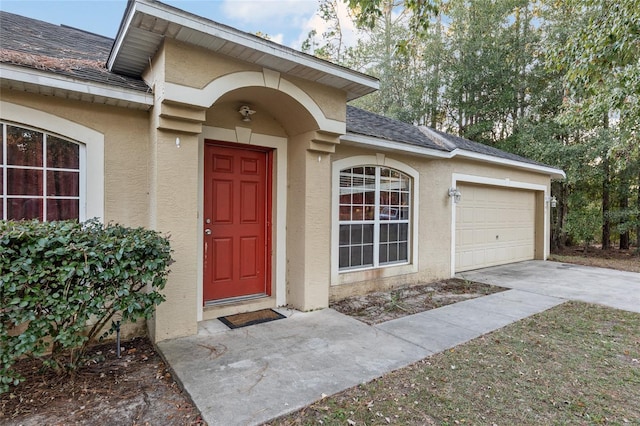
(382,306)
(138,389)
(623,260)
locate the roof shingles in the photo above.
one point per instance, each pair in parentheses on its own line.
(369,124)
(61,50)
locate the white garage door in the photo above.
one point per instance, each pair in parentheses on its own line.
(494,226)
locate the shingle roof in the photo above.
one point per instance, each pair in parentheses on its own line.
(480,148)
(369,124)
(61,50)
(366,123)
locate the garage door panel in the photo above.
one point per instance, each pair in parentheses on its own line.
(494,226)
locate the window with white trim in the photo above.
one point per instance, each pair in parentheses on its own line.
(39,175)
(374,217)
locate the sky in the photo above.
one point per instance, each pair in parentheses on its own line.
(285,21)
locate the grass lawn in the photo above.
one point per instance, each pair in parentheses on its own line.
(574,364)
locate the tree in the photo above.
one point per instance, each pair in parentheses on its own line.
(558,82)
(601,62)
(384,51)
(369,11)
(331,45)
(489,59)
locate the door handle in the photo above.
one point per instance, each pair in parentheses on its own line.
(207,232)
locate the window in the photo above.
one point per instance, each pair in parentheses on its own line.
(374,217)
(39,175)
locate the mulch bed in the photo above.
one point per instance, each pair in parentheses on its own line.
(134,389)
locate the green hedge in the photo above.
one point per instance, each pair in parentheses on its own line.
(65,281)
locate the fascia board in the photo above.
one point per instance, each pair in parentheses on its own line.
(394,146)
(551,171)
(56,81)
(122,32)
(428,152)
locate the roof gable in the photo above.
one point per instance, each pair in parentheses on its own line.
(146,23)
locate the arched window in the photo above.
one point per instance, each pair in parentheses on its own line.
(39,175)
(374,217)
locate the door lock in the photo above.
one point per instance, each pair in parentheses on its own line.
(207,231)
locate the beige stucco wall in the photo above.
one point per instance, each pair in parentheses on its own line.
(434,233)
(309,242)
(126,136)
(126,139)
(175,183)
(225,115)
(196,67)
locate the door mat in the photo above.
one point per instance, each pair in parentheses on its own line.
(251,318)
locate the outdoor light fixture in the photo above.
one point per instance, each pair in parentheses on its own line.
(552,201)
(246,112)
(455,194)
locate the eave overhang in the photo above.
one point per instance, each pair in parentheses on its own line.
(537,168)
(387,145)
(146,23)
(32,80)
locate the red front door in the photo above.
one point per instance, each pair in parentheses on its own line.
(236,216)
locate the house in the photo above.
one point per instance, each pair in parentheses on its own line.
(274,191)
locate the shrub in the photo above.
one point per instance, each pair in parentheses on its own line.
(63,282)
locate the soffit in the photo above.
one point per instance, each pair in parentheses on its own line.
(50,84)
(146,23)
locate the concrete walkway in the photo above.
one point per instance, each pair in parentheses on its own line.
(253,374)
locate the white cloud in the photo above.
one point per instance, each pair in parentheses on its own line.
(349,32)
(278,38)
(263,11)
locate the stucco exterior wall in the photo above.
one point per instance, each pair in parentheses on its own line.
(196,67)
(225,115)
(175,179)
(333,102)
(434,233)
(126,137)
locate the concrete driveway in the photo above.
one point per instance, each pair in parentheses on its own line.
(608,287)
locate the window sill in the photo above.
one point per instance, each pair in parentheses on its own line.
(359,275)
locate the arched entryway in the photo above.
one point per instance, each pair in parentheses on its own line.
(245,270)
